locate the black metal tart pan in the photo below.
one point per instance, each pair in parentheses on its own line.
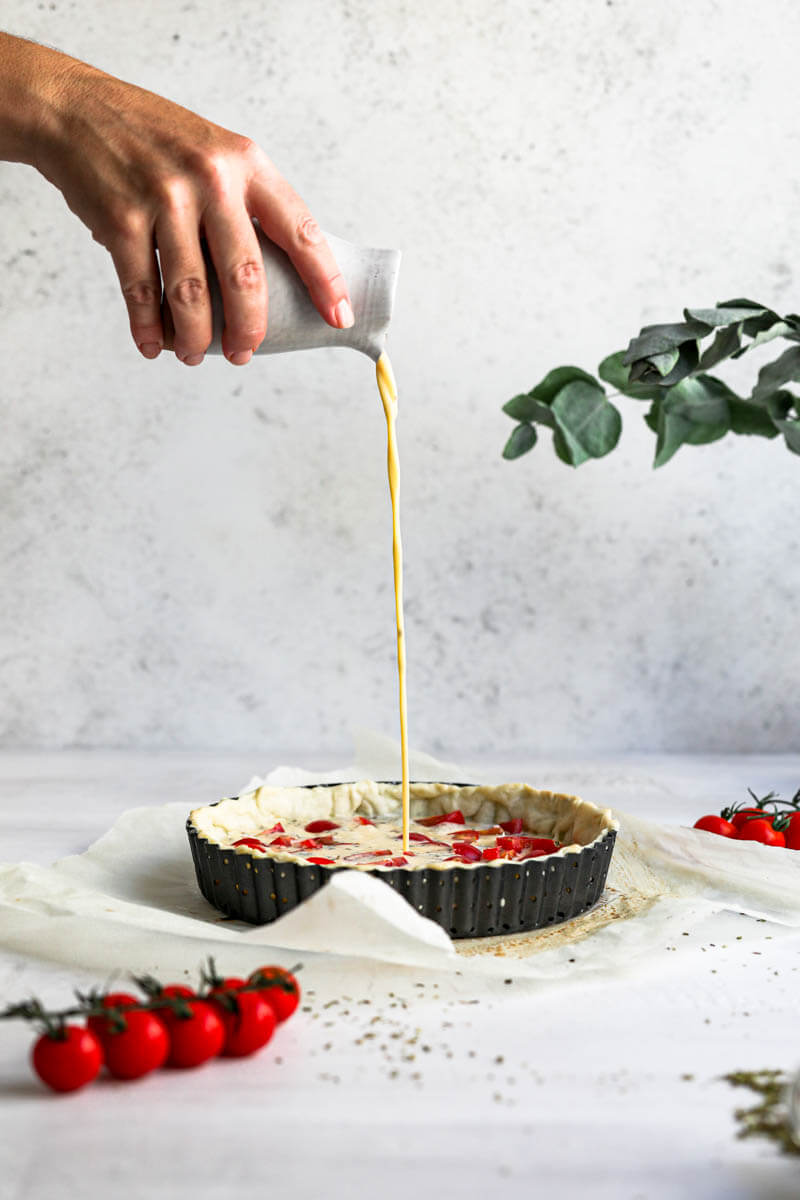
(512,897)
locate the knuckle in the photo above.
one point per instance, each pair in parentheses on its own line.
(142,292)
(308,231)
(246,147)
(247,276)
(124,224)
(189,292)
(173,193)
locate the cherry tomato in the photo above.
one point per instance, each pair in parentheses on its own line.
(513,826)
(196,1038)
(279,988)
(761,831)
(143,1046)
(249,1025)
(741,818)
(66,1063)
(99,1025)
(230,984)
(792,832)
(713,824)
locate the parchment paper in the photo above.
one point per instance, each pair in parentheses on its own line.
(131,900)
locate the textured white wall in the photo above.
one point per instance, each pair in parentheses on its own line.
(201,557)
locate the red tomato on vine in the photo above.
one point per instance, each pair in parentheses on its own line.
(279,988)
(68,1059)
(715,824)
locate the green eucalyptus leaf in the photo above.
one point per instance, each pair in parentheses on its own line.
(726,343)
(588,423)
(688,360)
(651,416)
(791,434)
(672,432)
(562,449)
(613,371)
(694,412)
(523,439)
(658,339)
(554,381)
(703,400)
(725,314)
(749,418)
(664,363)
(779,404)
(784,369)
(740,303)
(525,408)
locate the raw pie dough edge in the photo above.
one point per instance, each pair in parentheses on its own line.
(568,819)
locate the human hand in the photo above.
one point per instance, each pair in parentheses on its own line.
(143,173)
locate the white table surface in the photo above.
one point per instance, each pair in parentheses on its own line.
(402,1082)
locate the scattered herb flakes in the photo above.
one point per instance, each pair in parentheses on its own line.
(768,1118)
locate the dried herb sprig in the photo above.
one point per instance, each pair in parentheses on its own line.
(770,1117)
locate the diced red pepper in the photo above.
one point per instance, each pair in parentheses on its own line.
(519,843)
(253,843)
(320,826)
(452,818)
(394,862)
(490,854)
(365,856)
(513,826)
(281,841)
(309,844)
(533,854)
(467,851)
(508,842)
(545,844)
(364,821)
(321,862)
(275,829)
(467,835)
(423,837)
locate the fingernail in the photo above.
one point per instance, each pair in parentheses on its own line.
(344,314)
(149,349)
(193,360)
(240,357)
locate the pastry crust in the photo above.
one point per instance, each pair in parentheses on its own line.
(573,822)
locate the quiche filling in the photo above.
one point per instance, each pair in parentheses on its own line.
(359,825)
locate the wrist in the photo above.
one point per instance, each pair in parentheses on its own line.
(34,81)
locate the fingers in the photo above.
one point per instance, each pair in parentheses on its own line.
(286,221)
(185,284)
(240,270)
(137,268)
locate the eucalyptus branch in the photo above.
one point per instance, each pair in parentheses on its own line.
(666,366)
